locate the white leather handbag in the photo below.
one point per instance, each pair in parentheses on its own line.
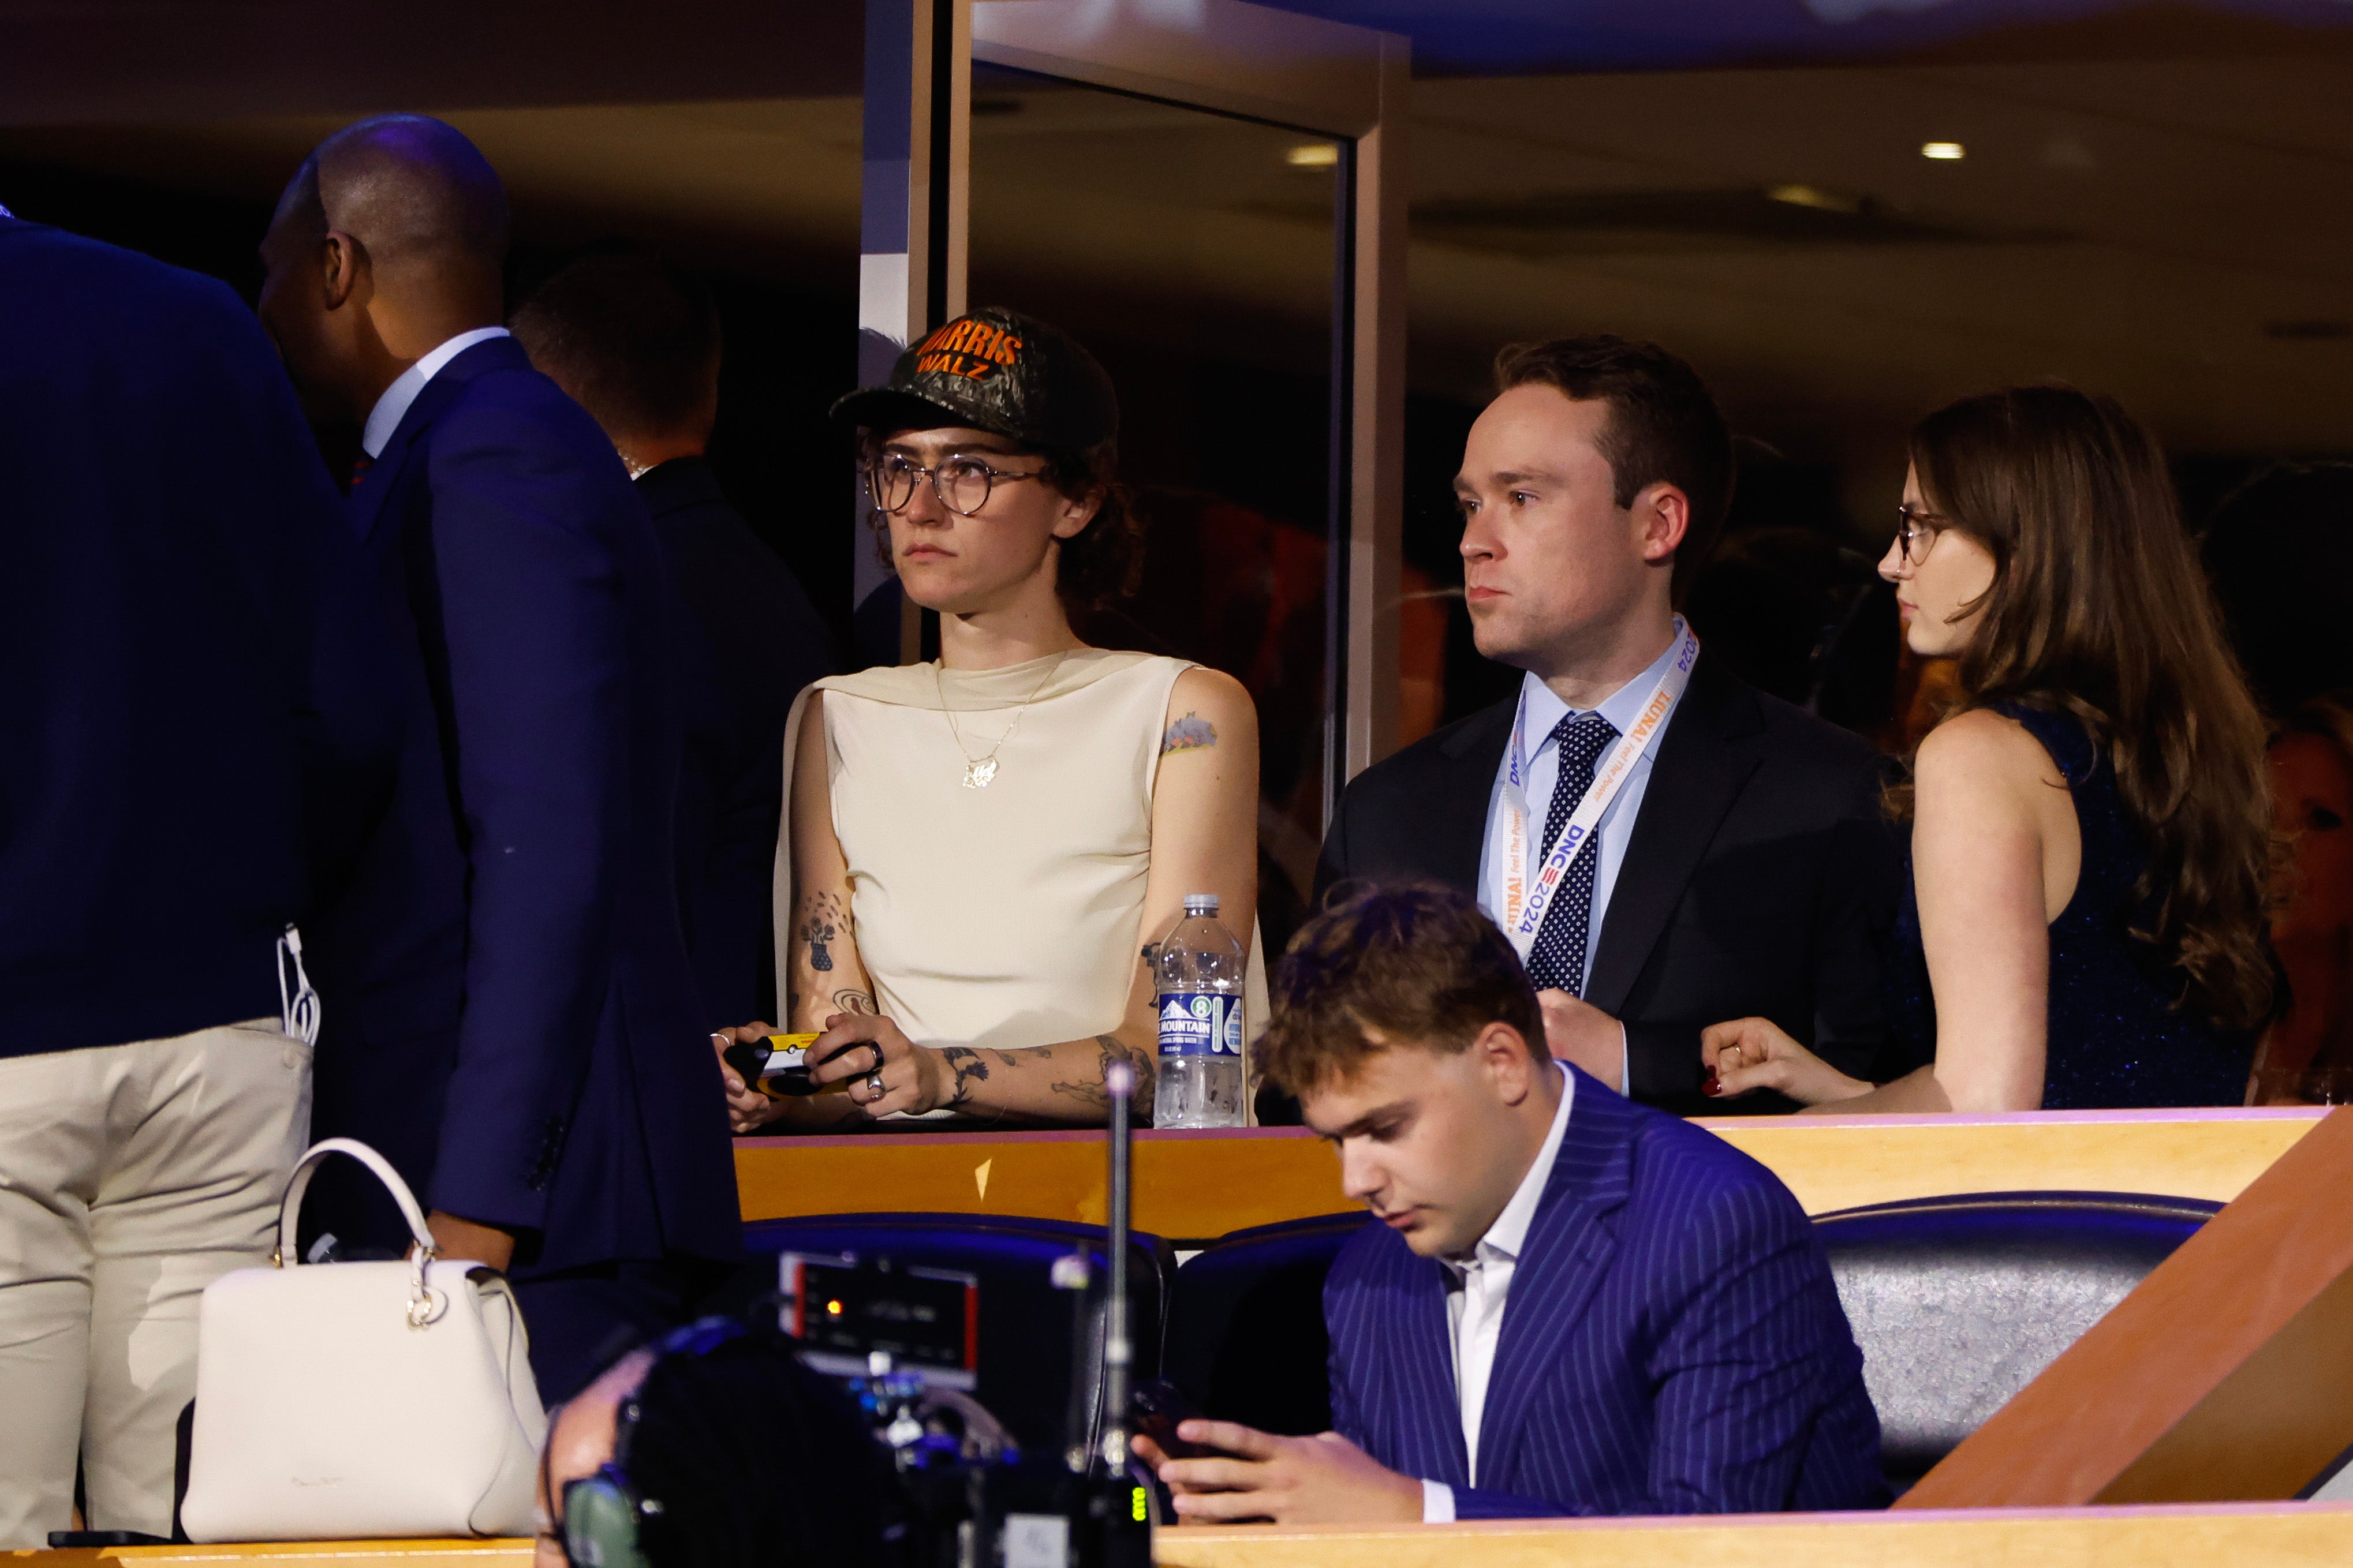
(361,1401)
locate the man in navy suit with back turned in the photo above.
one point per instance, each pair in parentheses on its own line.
(510,1013)
(1573,1304)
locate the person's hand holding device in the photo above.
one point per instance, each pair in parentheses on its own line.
(1253,1475)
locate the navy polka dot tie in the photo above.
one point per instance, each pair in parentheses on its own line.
(1556,960)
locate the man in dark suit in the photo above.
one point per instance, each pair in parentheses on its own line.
(198,730)
(1665,847)
(635,342)
(1572,1304)
(511,1013)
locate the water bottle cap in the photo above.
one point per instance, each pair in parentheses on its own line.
(1201,903)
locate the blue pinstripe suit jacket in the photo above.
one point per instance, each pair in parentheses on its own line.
(1672,1342)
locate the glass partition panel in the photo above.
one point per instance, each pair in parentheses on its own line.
(1194,254)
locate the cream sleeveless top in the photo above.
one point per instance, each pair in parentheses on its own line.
(1008,916)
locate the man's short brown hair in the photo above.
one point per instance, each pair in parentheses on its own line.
(633,336)
(1663,426)
(1420,964)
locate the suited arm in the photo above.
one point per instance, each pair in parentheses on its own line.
(532,616)
(1858,907)
(1854,906)
(1348,1352)
(1737,1375)
(1748,1362)
(1662,1058)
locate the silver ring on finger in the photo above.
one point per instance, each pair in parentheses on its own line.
(874,1090)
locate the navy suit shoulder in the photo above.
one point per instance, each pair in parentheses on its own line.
(1419,813)
(1681,1176)
(1838,765)
(1672,1342)
(199,724)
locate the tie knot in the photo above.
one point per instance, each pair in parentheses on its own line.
(1582,738)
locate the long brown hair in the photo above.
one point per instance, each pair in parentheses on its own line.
(2098,608)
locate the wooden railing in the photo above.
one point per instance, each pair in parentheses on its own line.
(2276,1535)
(1194,1185)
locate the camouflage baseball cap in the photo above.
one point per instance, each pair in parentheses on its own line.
(996,369)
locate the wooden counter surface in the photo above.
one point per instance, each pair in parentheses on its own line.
(1194,1185)
(2255,1535)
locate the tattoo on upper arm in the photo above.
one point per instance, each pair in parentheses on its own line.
(1190,733)
(1095,1094)
(822,919)
(965,1064)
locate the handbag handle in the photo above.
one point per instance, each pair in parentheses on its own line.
(290,1210)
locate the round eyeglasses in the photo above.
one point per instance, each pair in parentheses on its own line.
(962,483)
(1916,531)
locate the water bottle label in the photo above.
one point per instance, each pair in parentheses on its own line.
(1200,1023)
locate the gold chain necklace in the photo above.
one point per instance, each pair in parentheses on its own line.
(979,771)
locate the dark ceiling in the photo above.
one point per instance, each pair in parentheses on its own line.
(1510,38)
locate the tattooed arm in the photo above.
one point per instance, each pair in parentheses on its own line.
(1056,1085)
(1205,805)
(824,973)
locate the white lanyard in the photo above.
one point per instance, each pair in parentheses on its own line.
(1525,901)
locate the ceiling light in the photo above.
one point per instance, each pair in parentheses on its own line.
(1814,197)
(1314,155)
(1944,152)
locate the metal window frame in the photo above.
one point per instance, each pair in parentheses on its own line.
(1227,57)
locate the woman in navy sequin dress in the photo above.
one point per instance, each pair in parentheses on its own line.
(2091,836)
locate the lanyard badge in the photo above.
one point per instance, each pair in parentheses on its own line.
(1525,899)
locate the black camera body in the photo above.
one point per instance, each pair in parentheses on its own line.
(904,1340)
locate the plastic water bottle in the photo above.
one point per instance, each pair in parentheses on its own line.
(1200,969)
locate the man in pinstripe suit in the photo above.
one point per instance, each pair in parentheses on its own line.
(1573,1304)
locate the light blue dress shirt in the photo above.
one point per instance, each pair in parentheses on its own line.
(1544,712)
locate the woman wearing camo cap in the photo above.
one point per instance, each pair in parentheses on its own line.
(977,848)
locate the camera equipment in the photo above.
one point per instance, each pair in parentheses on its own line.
(907,1341)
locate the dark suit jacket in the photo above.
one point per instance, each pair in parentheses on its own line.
(509,1011)
(1672,1342)
(197,721)
(1760,878)
(751,641)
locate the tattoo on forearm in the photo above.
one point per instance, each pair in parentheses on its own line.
(854,1002)
(965,1064)
(1190,733)
(1095,1094)
(822,919)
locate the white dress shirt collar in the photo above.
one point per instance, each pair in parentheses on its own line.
(1621,707)
(392,406)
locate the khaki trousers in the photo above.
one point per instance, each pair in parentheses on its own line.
(130,1177)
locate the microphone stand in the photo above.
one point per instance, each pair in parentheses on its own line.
(1115,1529)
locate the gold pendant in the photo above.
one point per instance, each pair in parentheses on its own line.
(977,775)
